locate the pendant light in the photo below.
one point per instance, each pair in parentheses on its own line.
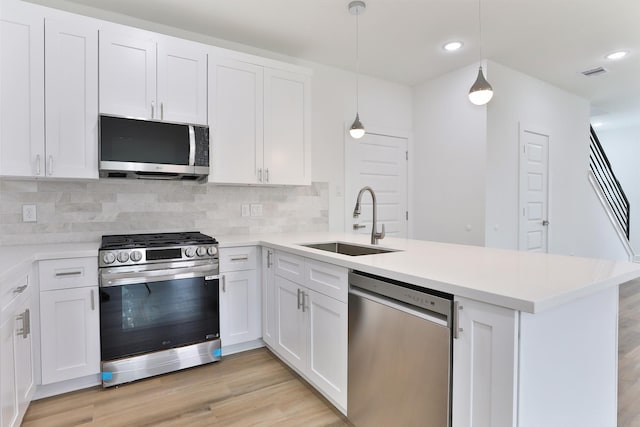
(481,92)
(357,129)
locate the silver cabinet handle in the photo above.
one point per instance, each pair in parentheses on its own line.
(25,318)
(304,301)
(266,175)
(38,168)
(224,283)
(20,289)
(268,259)
(50,167)
(259,175)
(299,294)
(68,273)
(358,226)
(93,302)
(240,258)
(456,320)
(545,222)
(153,109)
(162,111)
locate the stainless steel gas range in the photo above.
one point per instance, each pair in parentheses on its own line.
(159,304)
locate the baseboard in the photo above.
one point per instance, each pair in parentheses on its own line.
(244,346)
(48,390)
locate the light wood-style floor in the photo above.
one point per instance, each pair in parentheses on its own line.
(247,389)
(256,389)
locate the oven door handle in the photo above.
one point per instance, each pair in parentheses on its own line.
(133,277)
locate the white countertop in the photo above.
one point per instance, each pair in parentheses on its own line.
(522,281)
(518,280)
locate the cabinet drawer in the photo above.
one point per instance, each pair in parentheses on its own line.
(68,273)
(237,259)
(327,279)
(289,266)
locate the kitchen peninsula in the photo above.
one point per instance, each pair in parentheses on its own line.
(537,342)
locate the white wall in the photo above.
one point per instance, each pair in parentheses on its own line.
(449,160)
(382,104)
(622,146)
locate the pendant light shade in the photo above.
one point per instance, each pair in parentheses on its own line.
(481,92)
(357,131)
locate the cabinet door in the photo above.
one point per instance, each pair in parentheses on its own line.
(269,330)
(239,307)
(485,366)
(236,121)
(70,334)
(327,345)
(127,75)
(21,91)
(182,82)
(8,391)
(23,347)
(71,82)
(287,136)
(292,323)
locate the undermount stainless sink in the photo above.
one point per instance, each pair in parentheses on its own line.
(348,248)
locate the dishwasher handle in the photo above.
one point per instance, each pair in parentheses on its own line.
(404,308)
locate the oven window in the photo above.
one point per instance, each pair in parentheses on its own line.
(147,317)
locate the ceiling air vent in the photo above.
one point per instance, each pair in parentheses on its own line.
(594,72)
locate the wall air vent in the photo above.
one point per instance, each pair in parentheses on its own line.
(594,72)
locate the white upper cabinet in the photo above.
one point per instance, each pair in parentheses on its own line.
(71,101)
(260,121)
(127,75)
(182,82)
(236,105)
(148,76)
(287,131)
(21,91)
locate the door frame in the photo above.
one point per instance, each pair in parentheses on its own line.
(540,130)
(391,133)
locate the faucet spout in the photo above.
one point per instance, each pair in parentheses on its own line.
(375,236)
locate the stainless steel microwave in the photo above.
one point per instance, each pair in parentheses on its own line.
(135,148)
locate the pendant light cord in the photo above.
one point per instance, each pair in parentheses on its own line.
(480,27)
(357,63)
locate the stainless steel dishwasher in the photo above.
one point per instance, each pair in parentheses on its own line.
(400,347)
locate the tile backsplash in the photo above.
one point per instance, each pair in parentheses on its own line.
(82,211)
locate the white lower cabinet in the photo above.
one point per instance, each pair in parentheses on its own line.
(240,296)
(17,383)
(70,333)
(309,328)
(485,366)
(69,319)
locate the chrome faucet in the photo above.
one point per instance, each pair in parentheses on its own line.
(375,236)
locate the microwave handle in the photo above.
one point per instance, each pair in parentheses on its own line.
(192,146)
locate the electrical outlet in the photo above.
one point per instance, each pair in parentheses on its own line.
(245,210)
(29,213)
(256,209)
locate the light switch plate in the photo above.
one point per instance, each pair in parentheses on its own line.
(29,213)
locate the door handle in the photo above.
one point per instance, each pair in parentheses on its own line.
(162,111)
(93,300)
(304,303)
(358,226)
(268,259)
(299,303)
(266,175)
(153,109)
(224,283)
(545,222)
(38,168)
(260,175)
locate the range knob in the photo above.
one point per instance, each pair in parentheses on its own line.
(190,252)
(108,258)
(212,250)
(201,251)
(123,257)
(135,256)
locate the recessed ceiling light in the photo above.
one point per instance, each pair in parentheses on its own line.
(617,55)
(451,46)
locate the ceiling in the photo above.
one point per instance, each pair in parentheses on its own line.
(401,40)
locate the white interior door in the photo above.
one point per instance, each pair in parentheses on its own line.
(380,162)
(534,190)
